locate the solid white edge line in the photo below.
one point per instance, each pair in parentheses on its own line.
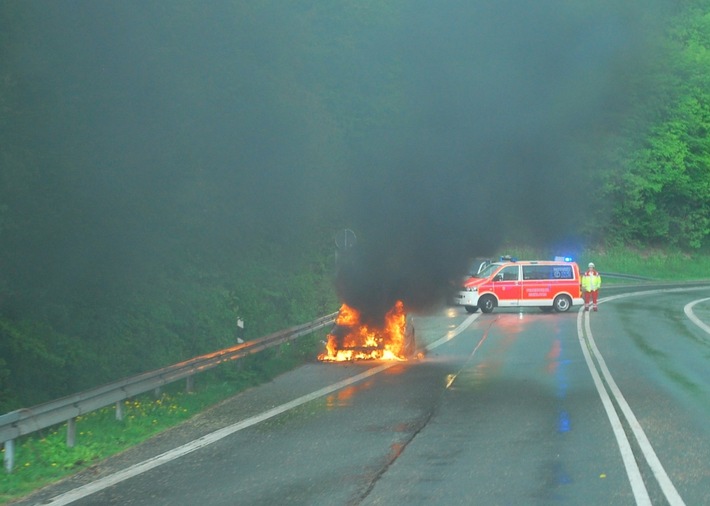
(96,486)
(627,455)
(208,439)
(453,333)
(669,490)
(654,463)
(688,309)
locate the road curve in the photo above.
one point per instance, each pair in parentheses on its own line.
(512,407)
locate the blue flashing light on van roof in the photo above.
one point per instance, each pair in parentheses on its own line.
(563,259)
(508,258)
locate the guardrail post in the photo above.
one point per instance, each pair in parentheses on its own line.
(9,457)
(190,384)
(71,432)
(24,421)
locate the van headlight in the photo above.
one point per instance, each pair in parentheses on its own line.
(474,289)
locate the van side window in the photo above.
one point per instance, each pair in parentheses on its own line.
(509,273)
(533,272)
(548,272)
(562,272)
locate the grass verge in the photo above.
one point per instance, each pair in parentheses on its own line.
(43,457)
(655,264)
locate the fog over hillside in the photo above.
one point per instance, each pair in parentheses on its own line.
(505,105)
(154,130)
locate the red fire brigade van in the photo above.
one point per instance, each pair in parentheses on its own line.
(549,285)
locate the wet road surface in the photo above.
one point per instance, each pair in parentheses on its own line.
(505,408)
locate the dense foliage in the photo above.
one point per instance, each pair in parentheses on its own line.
(157,183)
(658,183)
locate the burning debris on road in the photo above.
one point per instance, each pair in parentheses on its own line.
(350,339)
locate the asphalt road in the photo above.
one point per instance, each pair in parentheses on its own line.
(513,407)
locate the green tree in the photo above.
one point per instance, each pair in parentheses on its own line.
(659,185)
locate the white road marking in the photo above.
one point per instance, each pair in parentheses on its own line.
(637,485)
(627,455)
(453,333)
(688,309)
(452,377)
(175,453)
(654,463)
(639,489)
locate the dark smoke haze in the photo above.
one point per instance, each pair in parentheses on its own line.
(505,101)
(433,129)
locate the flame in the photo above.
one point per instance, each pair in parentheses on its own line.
(362,342)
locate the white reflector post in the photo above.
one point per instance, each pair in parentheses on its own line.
(9,457)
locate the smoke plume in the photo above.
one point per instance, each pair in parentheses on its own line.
(507,102)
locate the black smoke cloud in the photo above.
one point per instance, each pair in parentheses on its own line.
(506,100)
(148,134)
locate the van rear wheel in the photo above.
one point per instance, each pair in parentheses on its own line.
(562,303)
(487,303)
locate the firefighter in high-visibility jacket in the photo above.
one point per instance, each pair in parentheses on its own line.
(591,282)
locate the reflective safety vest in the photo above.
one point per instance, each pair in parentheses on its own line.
(591,281)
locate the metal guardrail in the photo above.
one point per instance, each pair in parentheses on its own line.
(27,420)
(630,277)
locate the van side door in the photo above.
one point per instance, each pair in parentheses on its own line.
(544,282)
(537,283)
(506,285)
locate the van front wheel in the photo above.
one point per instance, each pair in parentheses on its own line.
(487,303)
(562,303)
(471,309)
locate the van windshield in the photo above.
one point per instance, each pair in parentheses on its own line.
(487,272)
(477,265)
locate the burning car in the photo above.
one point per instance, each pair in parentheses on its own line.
(350,339)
